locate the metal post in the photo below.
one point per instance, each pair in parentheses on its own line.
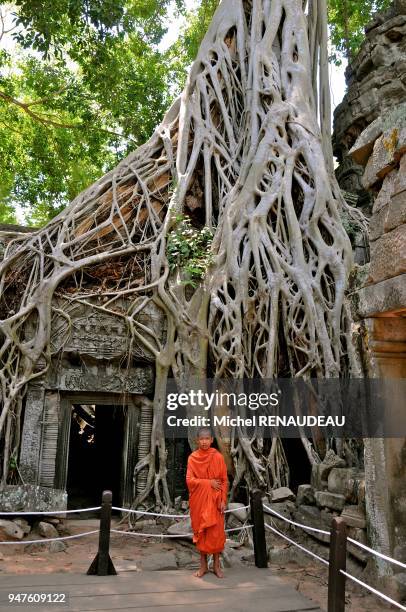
(257,519)
(102,565)
(338,558)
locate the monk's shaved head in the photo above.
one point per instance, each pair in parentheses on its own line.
(204,432)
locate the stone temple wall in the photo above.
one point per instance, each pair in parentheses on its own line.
(369,142)
(92,364)
(379,308)
(376,84)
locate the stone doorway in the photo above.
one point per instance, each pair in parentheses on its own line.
(95,455)
(103,456)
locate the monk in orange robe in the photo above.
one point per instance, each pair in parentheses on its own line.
(206,479)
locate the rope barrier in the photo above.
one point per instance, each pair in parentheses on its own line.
(294,523)
(309,552)
(50,512)
(70,537)
(234,529)
(236,509)
(378,593)
(238,528)
(149,513)
(141,512)
(169,535)
(152,535)
(378,554)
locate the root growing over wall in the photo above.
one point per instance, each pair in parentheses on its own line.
(240,152)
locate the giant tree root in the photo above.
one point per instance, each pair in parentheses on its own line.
(241,152)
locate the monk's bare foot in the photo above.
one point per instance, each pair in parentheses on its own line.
(201,572)
(218,572)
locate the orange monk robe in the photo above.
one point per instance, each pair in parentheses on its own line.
(204,501)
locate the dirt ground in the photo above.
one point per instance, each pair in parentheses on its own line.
(127,553)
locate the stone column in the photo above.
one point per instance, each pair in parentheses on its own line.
(31,434)
(381,306)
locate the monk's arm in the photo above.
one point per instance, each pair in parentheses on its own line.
(224,483)
(192,481)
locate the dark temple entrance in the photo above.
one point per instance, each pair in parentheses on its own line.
(95,460)
(299,464)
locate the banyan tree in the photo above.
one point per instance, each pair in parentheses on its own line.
(228,220)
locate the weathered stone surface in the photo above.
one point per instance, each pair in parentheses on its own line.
(47,530)
(360,536)
(238,510)
(334,501)
(363,147)
(400,179)
(14,498)
(290,554)
(282,494)
(286,509)
(374,101)
(326,517)
(23,524)
(10,531)
(344,482)
(185,557)
(320,471)
(311,516)
(316,481)
(400,582)
(51,519)
(184,526)
(307,515)
(386,191)
(388,255)
(400,146)
(387,296)
(354,516)
(57,547)
(160,561)
(231,555)
(382,159)
(35,548)
(305,495)
(396,214)
(378,222)
(63,529)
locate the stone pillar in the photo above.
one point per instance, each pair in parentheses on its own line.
(144,442)
(31,434)
(381,306)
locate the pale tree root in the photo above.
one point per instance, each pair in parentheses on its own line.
(240,152)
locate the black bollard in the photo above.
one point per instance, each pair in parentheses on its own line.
(337,561)
(102,565)
(258,529)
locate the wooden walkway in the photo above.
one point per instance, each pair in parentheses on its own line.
(242,590)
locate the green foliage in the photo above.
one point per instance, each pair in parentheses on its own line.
(85,83)
(347,20)
(188,249)
(83,86)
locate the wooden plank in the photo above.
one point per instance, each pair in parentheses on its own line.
(146,581)
(269,600)
(168,591)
